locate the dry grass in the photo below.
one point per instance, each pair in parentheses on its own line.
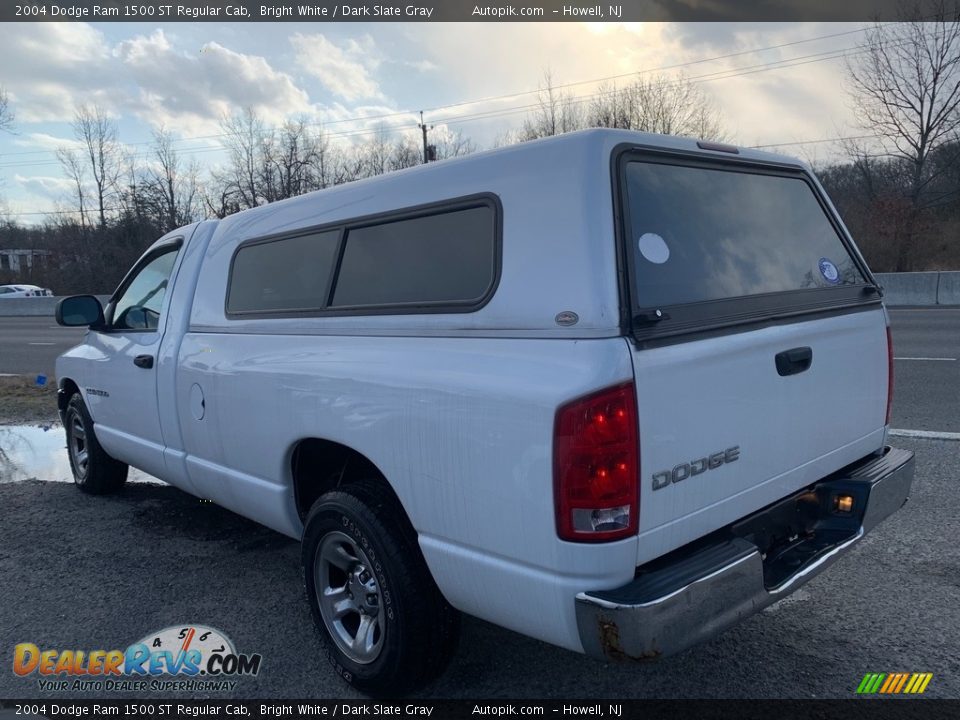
(22,400)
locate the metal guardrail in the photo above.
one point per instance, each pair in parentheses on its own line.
(34,306)
(920,288)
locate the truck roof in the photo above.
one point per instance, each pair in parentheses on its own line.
(554,198)
(581,148)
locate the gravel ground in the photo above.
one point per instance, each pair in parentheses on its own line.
(100,573)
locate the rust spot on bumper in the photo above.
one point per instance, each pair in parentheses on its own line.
(613,649)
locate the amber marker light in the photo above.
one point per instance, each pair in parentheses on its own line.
(843,503)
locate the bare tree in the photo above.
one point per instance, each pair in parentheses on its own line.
(452,144)
(405,153)
(556,112)
(377,152)
(131,193)
(350,164)
(170,186)
(98,134)
(266,164)
(245,135)
(905,85)
(6,112)
(294,161)
(324,160)
(220,201)
(76,172)
(657,104)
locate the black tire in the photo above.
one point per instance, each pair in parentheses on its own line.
(94,471)
(416,630)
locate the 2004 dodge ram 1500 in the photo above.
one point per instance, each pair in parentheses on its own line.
(612,390)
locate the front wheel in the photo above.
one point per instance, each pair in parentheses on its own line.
(385,626)
(94,471)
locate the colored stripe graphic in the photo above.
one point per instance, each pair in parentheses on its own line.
(894,683)
(919,683)
(866,685)
(891,680)
(903,681)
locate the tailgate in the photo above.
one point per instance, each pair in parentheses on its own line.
(723,398)
(759,342)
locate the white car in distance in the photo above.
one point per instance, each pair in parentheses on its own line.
(21,291)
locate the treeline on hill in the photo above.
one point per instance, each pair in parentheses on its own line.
(902,217)
(897,228)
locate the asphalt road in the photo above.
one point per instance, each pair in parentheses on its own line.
(926,343)
(30,345)
(926,348)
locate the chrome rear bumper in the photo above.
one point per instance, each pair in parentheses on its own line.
(697,592)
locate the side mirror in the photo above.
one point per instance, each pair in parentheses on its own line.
(80,311)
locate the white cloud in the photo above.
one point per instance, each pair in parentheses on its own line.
(192,91)
(44,141)
(49,188)
(60,44)
(51,68)
(421,65)
(345,70)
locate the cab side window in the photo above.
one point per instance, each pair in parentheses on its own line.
(138,307)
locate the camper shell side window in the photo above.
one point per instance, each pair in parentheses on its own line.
(443,257)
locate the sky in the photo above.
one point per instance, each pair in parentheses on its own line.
(774,83)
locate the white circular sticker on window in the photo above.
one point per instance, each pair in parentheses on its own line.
(653,248)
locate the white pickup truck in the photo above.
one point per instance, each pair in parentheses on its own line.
(611,390)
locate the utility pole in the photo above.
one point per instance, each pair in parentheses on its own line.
(424,129)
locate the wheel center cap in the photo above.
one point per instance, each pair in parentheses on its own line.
(363,588)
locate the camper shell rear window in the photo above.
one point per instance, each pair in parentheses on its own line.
(717,243)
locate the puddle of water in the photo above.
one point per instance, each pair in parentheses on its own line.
(40,452)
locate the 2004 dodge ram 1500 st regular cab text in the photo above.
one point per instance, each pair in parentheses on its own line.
(612,390)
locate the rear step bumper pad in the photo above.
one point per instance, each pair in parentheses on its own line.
(692,595)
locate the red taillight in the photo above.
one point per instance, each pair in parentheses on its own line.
(889,375)
(596,462)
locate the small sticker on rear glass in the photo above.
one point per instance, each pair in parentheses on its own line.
(653,248)
(829,271)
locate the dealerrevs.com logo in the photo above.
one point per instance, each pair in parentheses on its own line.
(184,657)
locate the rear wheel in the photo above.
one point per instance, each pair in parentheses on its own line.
(385,626)
(94,471)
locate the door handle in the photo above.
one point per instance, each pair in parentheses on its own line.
(793,361)
(143,361)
